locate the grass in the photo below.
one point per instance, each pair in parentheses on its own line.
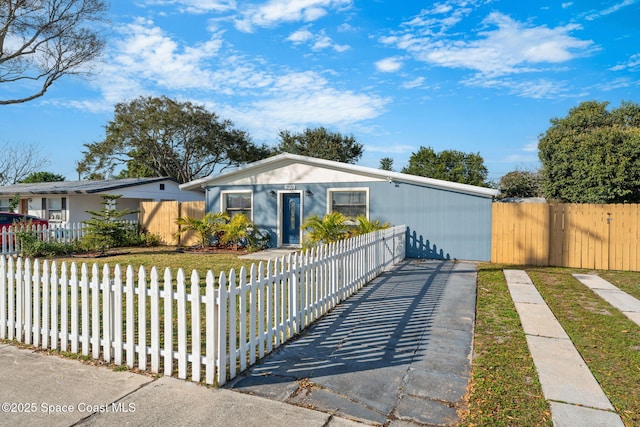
(504,388)
(168,257)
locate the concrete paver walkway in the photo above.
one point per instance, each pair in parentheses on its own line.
(574,395)
(398,352)
(627,304)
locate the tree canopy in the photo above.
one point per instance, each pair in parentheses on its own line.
(42,177)
(386,163)
(520,183)
(41,41)
(321,143)
(157,136)
(449,165)
(593,155)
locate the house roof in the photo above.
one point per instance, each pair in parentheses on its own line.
(77,187)
(283,160)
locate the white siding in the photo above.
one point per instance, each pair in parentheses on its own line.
(298,174)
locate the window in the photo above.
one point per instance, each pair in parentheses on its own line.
(350,202)
(56,208)
(237,203)
(4,205)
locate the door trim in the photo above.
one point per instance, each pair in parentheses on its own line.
(281,218)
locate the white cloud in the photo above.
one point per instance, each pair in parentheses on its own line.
(146,52)
(536,89)
(274,12)
(531,147)
(319,41)
(197,6)
(632,64)
(511,47)
(389,65)
(297,100)
(300,36)
(610,10)
(415,83)
(501,48)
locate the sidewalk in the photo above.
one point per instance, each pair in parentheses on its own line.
(398,353)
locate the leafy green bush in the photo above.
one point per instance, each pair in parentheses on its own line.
(31,245)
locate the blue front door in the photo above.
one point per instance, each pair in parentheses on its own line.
(291,219)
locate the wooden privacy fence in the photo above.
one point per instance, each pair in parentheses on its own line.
(567,235)
(209,330)
(159,218)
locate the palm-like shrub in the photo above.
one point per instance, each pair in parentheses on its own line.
(237,230)
(332,227)
(206,227)
(364,225)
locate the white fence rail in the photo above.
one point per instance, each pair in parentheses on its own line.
(64,233)
(207,330)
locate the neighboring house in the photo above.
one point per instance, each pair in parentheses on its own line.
(444,219)
(69,201)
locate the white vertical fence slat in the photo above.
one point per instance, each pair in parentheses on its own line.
(62,233)
(213,330)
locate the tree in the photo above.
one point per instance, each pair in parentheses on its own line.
(19,161)
(322,144)
(42,177)
(153,136)
(520,183)
(449,165)
(107,229)
(592,155)
(386,164)
(42,41)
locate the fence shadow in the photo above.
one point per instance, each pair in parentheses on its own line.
(419,247)
(386,325)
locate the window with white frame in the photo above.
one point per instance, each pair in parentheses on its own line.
(237,202)
(5,205)
(350,201)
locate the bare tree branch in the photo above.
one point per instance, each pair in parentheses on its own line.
(19,161)
(44,40)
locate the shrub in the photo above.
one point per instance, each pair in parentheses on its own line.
(206,228)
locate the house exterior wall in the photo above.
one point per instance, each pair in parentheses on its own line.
(440,223)
(76,204)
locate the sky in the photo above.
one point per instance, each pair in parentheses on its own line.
(478,76)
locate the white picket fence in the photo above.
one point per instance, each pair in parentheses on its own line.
(206,331)
(64,233)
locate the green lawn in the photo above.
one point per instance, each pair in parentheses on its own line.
(505,390)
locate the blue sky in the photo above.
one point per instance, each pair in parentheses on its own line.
(471,75)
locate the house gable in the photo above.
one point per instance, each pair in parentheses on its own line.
(298,173)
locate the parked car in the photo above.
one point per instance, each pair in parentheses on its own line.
(10,218)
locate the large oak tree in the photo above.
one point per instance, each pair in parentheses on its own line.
(448,165)
(41,41)
(593,154)
(158,136)
(321,143)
